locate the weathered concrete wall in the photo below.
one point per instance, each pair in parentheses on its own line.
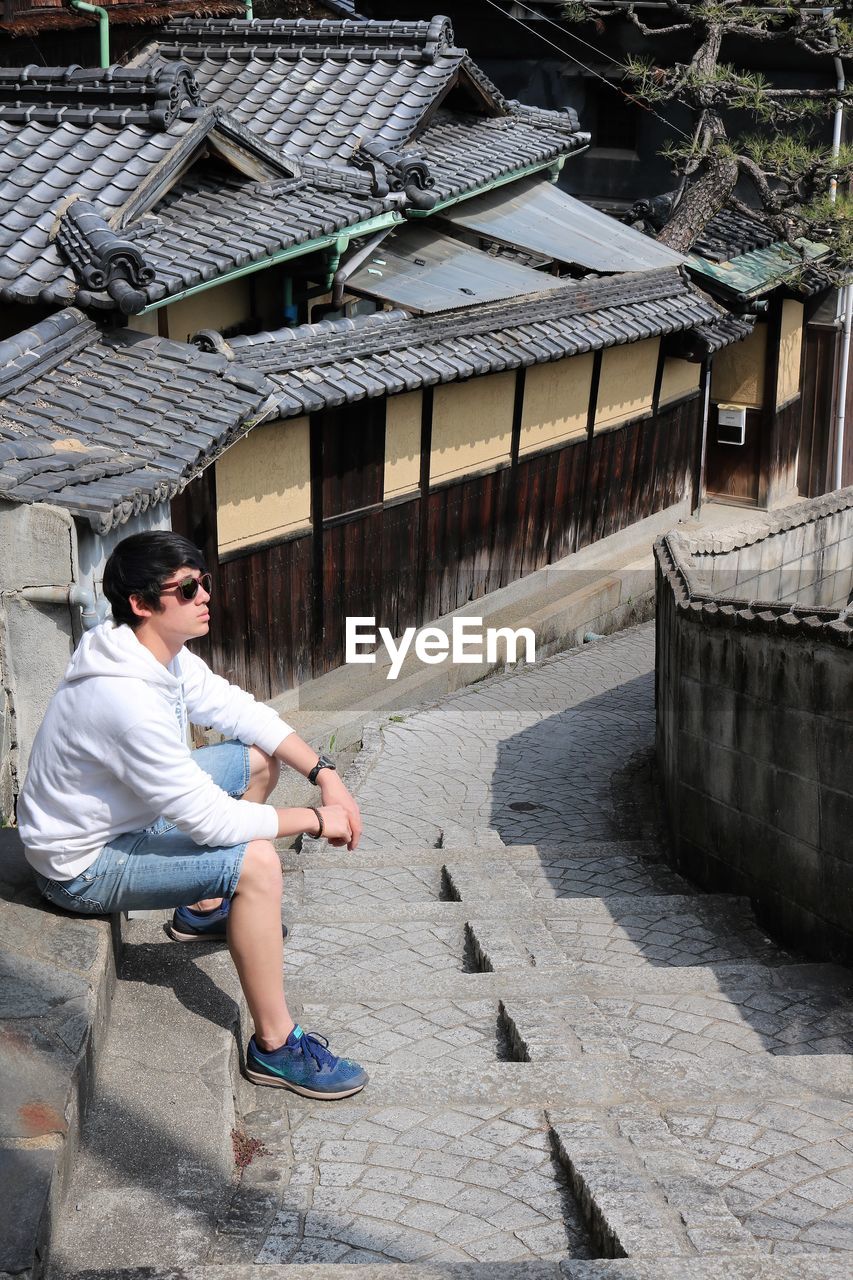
(43,547)
(805,563)
(39,550)
(754,740)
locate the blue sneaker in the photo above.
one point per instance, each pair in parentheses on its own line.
(305,1065)
(202,926)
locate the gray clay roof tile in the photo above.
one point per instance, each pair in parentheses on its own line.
(180,408)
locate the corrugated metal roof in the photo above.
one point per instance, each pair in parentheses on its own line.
(538,216)
(425,271)
(755,273)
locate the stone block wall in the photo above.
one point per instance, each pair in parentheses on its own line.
(803,558)
(755,736)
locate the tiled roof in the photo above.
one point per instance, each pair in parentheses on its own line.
(303,95)
(48,172)
(322,88)
(730,234)
(208,225)
(320,108)
(41,165)
(107,425)
(425,38)
(466,152)
(705,339)
(318,366)
(153,96)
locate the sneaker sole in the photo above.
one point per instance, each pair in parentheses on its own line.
(177,936)
(277,1083)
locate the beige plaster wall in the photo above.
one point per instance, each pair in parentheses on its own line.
(219,308)
(680,378)
(627,383)
(790,352)
(263,485)
(556,402)
(403,444)
(737,374)
(471,426)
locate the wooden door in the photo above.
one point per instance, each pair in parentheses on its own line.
(733,471)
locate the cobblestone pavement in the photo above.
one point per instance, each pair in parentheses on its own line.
(573,1056)
(539,999)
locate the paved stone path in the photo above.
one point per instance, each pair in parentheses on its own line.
(573,1055)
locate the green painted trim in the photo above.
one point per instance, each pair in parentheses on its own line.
(103,27)
(379,223)
(554,165)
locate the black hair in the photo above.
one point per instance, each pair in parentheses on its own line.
(140,564)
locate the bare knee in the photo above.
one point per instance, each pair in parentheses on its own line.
(261,869)
(264,773)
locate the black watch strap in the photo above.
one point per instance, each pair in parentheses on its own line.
(325,762)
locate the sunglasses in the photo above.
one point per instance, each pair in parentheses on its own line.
(188,588)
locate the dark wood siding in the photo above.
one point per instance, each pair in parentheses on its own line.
(279,611)
(814,470)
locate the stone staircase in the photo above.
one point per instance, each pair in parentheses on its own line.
(574,1058)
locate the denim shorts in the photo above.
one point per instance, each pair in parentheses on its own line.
(160,866)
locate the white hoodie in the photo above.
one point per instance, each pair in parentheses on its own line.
(111,755)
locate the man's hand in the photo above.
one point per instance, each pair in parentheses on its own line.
(335,793)
(336,824)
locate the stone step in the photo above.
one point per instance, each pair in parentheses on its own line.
(156,1163)
(799,1266)
(56,979)
(318,854)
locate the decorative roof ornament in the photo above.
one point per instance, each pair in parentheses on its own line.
(318,36)
(153,96)
(102,261)
(396,171)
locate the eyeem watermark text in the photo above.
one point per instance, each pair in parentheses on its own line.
(467,642)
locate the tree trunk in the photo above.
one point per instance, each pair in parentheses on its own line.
(706,195)
(701,201)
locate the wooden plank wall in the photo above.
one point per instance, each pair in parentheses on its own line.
(814,473)
(275,623)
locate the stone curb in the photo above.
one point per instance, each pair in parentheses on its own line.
(801,1266)
(58,977)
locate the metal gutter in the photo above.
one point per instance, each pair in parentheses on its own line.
(103,26)
(337,241)
(554,165)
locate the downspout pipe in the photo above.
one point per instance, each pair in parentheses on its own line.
(103,26)
(343,273)
(91,611)
(845,298)
(249,14)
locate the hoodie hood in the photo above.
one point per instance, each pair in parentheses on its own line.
(110,650)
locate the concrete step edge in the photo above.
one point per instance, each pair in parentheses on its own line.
(44,1110)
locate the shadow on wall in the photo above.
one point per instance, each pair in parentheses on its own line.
(580,787)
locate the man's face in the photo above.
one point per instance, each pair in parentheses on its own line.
(184,613)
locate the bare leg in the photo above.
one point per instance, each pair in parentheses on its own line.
(255,943)
(263,777)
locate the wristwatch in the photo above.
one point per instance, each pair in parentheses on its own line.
(325,762)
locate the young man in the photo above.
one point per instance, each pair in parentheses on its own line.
(117,813)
